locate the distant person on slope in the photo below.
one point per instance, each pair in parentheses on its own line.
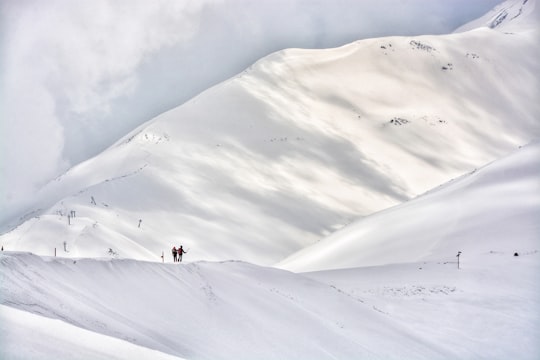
(175,253)
(180,252)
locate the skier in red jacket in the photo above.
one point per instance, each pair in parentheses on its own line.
(180,252)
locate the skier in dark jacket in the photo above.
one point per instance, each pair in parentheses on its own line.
(180,252)
(175,253)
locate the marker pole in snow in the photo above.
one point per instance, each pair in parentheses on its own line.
(459,253)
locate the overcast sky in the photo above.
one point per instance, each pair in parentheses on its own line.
(77,75)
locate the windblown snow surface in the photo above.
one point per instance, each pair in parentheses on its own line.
(349,142)
(414,304)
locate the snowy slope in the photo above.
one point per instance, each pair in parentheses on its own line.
(104,70)
(507,16)
(229,310)
(25,336)
(488,309)
(494,209)
(297,146)
(234,310)
(424,309)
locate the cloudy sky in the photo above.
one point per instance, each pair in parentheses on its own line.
(76,75)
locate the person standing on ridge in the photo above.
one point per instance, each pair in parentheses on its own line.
(174,254)
(180,252)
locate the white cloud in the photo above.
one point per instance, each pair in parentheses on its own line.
(64,63)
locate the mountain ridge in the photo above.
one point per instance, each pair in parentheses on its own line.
(298,145)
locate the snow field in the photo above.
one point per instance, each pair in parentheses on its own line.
(204,310)
(488,309)
(425,310)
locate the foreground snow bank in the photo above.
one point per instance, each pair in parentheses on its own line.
(235,310)
(203,310)
(30,336)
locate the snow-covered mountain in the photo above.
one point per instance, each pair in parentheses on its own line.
(509,15)
(423,308)
(74,77)
(294,148)
(494,209)
(271,160)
